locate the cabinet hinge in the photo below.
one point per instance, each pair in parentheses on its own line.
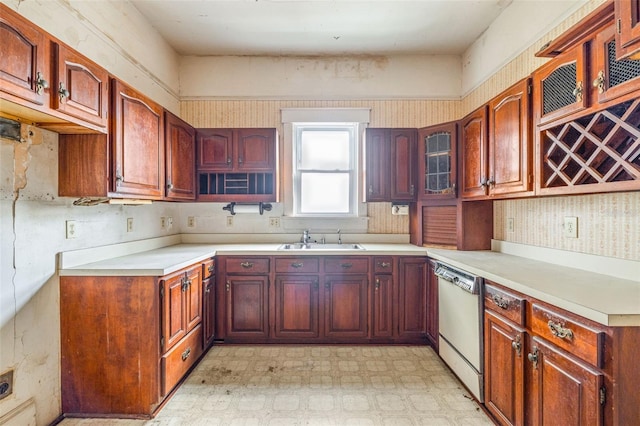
(529,89)
(161,292)
(162,341)
(603,395)
(619,26)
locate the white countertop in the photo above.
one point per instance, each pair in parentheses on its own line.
(604,298)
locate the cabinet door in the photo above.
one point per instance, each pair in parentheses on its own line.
(193,297)
(628,16)
(24,68)
(256,149)
(138,144)
(473,150)
(174,322)
(432,306)
(504,356)
(562,390)
(247,306)
(403,164)
(560,87)
(180,159)
(215,149)
(296,306)
(437,158)
(81,87)
(510,147)
(382,312)
(378,165)
(412,297)
(345,302)
(208,311)
(613,78)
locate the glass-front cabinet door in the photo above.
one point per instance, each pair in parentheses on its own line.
(437,161)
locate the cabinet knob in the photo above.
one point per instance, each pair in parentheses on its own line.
(169,185)
(240,161)
(370,189)
(516,345)
(598,83)
(491,181)
(228,286)
(377,283)
(62,92)
(483,183)
(533,357)
(384,264)
(186,354)
(577,92)
(41,83)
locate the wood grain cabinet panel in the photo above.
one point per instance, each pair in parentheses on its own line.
(80,88)
(382,309)
(412,297)
(377,165)
(24,63)
(255,150)
(345,300)
(137,134)
(180,157)
(437,161)
(627,14)
(473,152)
(247,306)
(297,306)
(215,149)
(432,306)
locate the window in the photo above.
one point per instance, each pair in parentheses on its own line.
(325,169)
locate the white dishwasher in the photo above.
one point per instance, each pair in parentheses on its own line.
(461,325)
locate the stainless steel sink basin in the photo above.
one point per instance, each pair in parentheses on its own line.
(320,247)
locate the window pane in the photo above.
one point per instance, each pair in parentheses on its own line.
(324,150)
(324,193)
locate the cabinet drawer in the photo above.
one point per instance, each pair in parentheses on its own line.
(569,334)
(346,265)
(208,268)
(180,358)
(506,304)
(383,265)
(297,264)
(248,265)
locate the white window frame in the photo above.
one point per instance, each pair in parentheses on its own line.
(357,221)
(352,168)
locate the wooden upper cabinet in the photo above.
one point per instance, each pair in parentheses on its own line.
(137,138)
(215,149)
(24,59)
(612,78)
(403,164)
(437,161)
(255,149)
(80,87)
(180,155)
(377,165)
(627,14)
(473,152)
(561,86)
(510,145)
(391,165)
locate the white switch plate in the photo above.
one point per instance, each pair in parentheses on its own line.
(71,229)
(400,209)
(571,227)
(229,220)
(510,225)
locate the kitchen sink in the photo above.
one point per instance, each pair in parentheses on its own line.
(320,247)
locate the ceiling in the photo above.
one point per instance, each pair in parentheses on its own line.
(320,27)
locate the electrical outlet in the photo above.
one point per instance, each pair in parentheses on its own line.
(229,220)
(6,384)
(510,225)
(129,224)
(71,229)
(571,227)
(191,222)
(163,223)
(274,222)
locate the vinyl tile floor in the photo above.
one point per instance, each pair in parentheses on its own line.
(247,385)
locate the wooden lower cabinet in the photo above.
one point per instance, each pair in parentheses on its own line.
(296,306)
(345,306)
(432,306)
(547,366)
(382,309)
(127,341)
(247,306)
(412,297)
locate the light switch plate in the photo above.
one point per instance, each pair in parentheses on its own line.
(571,227)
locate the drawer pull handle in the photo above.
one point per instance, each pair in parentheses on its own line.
(247,265)
(297,265)
(516,345)
(210,268)
(384,264)
(559,331)
(500,301)
(533,357)
(186,354)
(346,265)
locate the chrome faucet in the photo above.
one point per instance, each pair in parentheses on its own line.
(306,238)
(339,237)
